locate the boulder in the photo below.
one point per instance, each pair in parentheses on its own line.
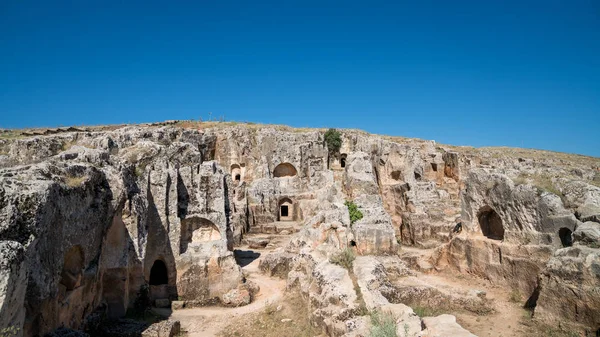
(588,233)
(168,328)
(443,326)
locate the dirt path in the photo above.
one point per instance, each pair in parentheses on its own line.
(505,321)
(208,321)
(509,318)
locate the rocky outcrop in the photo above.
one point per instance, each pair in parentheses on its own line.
(93,219)
(568,287)
(444,325)
(90,224)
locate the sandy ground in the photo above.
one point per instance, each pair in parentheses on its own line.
(508,320)
(505,321)
(208,321)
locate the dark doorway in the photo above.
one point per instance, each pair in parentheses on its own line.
(434,167)
(159,274)
(343,157)
(245,257)
(565,237)
(72,268)
(284,210)
(491,223)
(237,177)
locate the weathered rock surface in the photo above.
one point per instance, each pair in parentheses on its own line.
(568,287)
(90,217)
(444,325)
(168,328)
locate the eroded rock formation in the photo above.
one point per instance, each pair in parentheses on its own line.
(93,218)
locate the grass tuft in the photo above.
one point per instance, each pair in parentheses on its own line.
(515,296)
(345,258)
(74,181)
(542,182)
(383,324)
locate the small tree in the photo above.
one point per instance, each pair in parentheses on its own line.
(333,139)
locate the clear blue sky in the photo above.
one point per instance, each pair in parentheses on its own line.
(498,72)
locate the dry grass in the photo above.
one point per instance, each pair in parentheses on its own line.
(429,311)
(538,328)
(345,258)
(542,181)
(383,324)
(74,181)
(499,152)
(11,134)
(596,180)
(515,296)
(199,125)
(67,145)
(267,323)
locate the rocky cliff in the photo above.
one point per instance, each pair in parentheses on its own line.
(91,217)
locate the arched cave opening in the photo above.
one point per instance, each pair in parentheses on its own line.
(565,237)
(491,223)
(397,175)
(196,230)
(159,274)
(284,170)
(352,243)
(343,160)
(238,177)
(72,268)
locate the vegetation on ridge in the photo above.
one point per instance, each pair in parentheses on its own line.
(333,139)
(345,258)
(355,213)
(383,324)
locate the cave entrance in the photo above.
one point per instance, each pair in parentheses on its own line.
(196,231)
(343,160)
(236,172)
(286,210)
(491,223)
(284,170)
(72,268)
(565,237)
(159,274)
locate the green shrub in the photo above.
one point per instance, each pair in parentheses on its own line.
(383,324)
(333,139)
(345,258)
(355,213)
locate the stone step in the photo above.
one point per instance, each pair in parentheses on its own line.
(280,227)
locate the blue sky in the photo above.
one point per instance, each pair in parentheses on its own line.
(506,73)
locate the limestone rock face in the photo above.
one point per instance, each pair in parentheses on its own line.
(568,287)
(588,233)
(374,233)
(93,218)
(444,325)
